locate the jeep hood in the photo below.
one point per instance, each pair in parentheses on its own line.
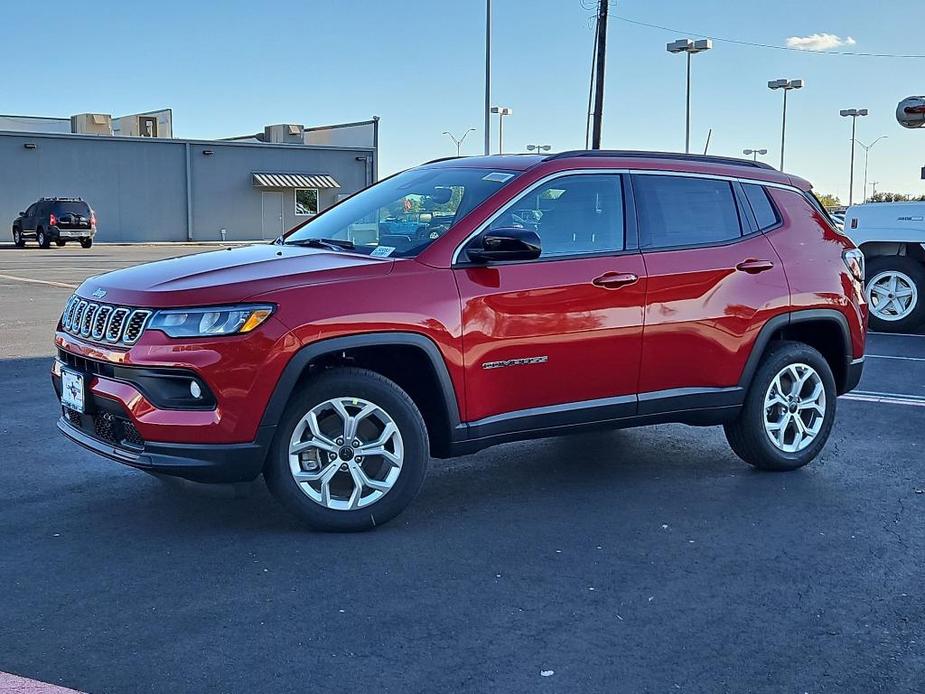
(228,276)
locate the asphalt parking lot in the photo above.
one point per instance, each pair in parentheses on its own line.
(647,560)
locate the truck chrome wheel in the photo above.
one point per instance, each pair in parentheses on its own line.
(346,453)
(794,408)
(892,295)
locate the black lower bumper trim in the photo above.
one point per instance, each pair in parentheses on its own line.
(218,463)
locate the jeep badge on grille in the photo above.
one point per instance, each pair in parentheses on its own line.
(99,294)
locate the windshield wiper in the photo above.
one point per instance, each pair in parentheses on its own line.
(332,244)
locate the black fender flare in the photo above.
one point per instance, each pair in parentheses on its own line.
(301,359)
(792,318)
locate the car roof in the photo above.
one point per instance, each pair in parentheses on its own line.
(632,159)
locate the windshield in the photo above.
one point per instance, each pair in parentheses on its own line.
(404,214)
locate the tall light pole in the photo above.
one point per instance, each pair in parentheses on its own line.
(690,47)
(487,77)
(786,85)
(458,140)
(502,111)
(853,114)
(539,148)
(754,153)
(867,149)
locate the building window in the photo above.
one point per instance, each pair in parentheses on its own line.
(306,201)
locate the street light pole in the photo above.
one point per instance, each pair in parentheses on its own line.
(458,141)
(867,149)
(786,85)
(502,111)
(754,153)
(690,47)
(853,114)
(487,77)
(539,148)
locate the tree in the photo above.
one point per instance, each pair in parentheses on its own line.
(895,197)
(828,200)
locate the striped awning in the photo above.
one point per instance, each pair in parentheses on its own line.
(294,180)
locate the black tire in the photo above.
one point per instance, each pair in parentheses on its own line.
(915,271)
(374,388)
(86,243)
(59,243)
(18,240)
(42,238)
(747,435)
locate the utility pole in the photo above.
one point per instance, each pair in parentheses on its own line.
(599,63)
(487,77)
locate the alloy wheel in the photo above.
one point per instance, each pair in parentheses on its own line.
(346,453)
(892,295)
(794,408)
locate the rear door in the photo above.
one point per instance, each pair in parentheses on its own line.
(713,280)
(28,220)
(566,328)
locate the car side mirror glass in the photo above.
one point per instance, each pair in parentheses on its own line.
(506,244)
(22,214)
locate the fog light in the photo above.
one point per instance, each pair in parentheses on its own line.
(195,390)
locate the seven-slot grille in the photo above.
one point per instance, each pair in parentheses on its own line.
(104,322)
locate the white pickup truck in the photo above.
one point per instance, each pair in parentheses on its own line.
(892,237)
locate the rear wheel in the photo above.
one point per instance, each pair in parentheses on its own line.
(789,409)
(86,243)
(895,293)
(42,238)
(18,240)
(350,452)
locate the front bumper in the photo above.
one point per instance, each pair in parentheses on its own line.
(212,463)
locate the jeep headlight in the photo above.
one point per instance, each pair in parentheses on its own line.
(205,322)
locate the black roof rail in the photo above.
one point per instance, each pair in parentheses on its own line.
(61,200)
(439,159)
(705,158)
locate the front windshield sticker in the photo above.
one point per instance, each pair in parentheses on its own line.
(498,177)
(382,251)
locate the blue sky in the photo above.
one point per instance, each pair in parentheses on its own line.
(229,68)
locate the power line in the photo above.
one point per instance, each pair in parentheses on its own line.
(754,44)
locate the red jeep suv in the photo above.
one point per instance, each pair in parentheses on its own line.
(470,302)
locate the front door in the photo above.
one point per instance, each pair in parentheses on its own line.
(272,214)
(566,328)
(713,282)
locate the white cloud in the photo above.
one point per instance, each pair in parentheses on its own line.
(819,42)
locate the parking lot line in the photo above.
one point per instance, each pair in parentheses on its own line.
(21,685)
(872,332)
(14,278)
(885,398)
(888,356)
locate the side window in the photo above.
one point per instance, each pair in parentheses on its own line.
(684,211)
(573,215)
(761,205)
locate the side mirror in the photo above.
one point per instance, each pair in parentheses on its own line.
(506,244)
(22,214)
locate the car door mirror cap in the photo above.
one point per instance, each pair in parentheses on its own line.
(506,244)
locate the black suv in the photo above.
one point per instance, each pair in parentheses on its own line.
(55,219)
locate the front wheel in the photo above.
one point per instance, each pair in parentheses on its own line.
(350,452)
(895,293)
(42,238)
(86,243)
(18,240)
(789,409)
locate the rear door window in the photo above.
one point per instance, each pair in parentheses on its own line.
(81,208)
(685,211)
(761,205)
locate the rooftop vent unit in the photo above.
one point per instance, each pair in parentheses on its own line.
(91,124)
(286,133)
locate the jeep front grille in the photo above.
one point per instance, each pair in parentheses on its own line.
(119,325)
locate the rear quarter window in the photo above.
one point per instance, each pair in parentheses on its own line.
(761,205)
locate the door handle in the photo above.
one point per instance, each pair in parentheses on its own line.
(753,266)
(615,280)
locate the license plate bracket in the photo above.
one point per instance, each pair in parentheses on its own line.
(73,390)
